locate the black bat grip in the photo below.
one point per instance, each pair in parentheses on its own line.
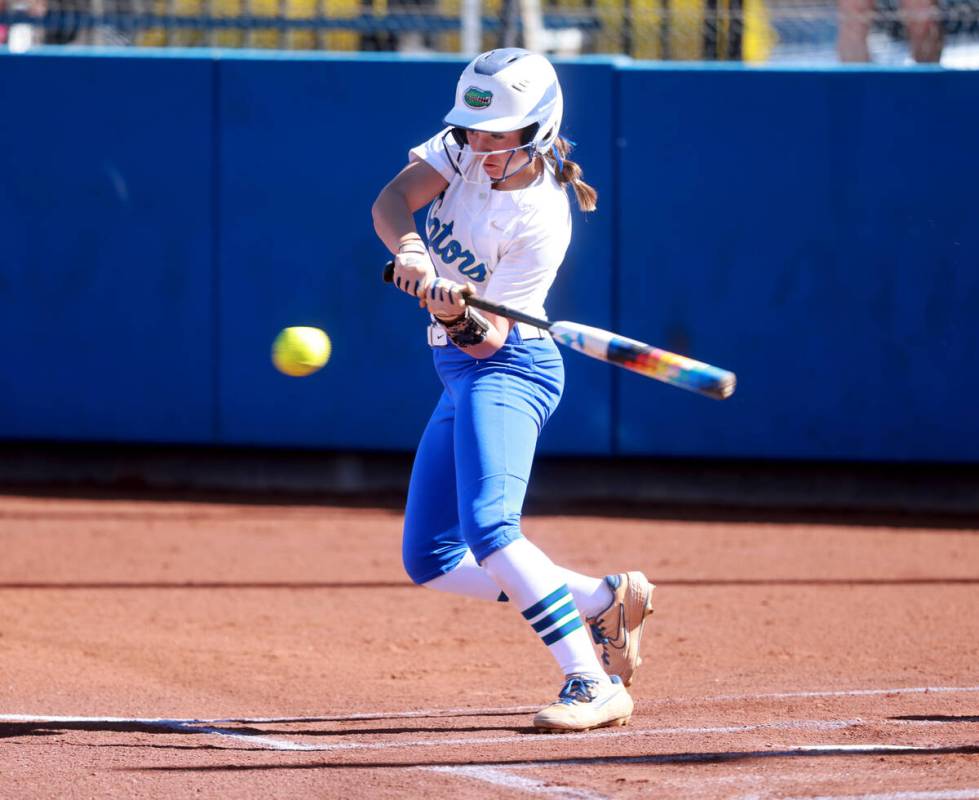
(485,305)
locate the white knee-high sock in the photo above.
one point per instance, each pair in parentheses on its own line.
(468,579)
(591,595)
(537,588)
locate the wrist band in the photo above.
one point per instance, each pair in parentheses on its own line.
(470,329)
(415,240)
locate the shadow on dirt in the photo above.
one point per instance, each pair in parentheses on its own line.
(869,751)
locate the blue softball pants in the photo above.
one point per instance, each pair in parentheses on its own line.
(471,469)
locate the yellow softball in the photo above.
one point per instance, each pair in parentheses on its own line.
(300,351)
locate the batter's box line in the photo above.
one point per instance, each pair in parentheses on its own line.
(262,742)
(843,693)
(938,794)
(504,778)
(496,711)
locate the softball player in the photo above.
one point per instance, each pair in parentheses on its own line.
(498,225)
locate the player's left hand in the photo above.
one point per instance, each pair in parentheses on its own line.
(445,299)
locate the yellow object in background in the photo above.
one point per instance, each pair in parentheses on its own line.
(673,30)
(300,351)
(256,37)
(267,38)
(339,39)
(759,35)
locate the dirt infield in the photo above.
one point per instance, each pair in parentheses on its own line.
(172,649)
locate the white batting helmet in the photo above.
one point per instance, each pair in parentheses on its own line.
(509,89)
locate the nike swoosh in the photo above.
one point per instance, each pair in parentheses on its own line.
(621,641)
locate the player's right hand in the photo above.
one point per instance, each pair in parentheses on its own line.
(413,269)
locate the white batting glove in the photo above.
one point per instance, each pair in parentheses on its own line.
(413,268)
(445,299)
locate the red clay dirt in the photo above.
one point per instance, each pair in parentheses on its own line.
(783,660)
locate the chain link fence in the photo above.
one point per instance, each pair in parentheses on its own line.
(799,32)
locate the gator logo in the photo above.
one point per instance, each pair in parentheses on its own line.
(477,98)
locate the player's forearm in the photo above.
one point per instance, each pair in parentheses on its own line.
(393,220)
(496,337)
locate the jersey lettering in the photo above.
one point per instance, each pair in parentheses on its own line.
(437,238)
(451,251)
(477,273)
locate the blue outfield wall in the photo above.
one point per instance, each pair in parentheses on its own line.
(106,291)
(817,233)
(163,214)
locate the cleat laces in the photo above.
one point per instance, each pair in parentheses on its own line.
(597,625)
(600,638)
(598,632)
(577,689)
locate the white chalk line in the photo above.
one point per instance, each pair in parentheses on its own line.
(847,693)
(368,716)
(502,711)
(504,779)
(257,742)
(271,743)
(497,776)
(939,794)
(176,725)
(498,710)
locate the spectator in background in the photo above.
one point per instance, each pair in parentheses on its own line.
(22,36)
(63,24)
(414,38)
(921,19)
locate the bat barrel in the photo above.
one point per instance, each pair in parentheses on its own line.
(662,365)
(677,370)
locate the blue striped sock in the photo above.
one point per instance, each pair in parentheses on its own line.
(533,583)
(555,616)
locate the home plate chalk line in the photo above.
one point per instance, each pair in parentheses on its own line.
(506,778)
(476,712)
(270,743)
(217,727)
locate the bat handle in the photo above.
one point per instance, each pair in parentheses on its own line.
(389,278)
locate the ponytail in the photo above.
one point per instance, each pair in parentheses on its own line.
(568,171)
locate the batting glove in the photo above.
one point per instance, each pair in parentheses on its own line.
(446,299)
(413,268)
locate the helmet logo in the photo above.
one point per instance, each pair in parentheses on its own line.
(477,98)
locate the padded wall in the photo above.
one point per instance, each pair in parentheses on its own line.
(106,288)
(816,233)
(163,214)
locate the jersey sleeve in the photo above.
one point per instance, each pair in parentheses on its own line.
(433,153)
(529,263)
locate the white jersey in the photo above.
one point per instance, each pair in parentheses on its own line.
(509,244)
